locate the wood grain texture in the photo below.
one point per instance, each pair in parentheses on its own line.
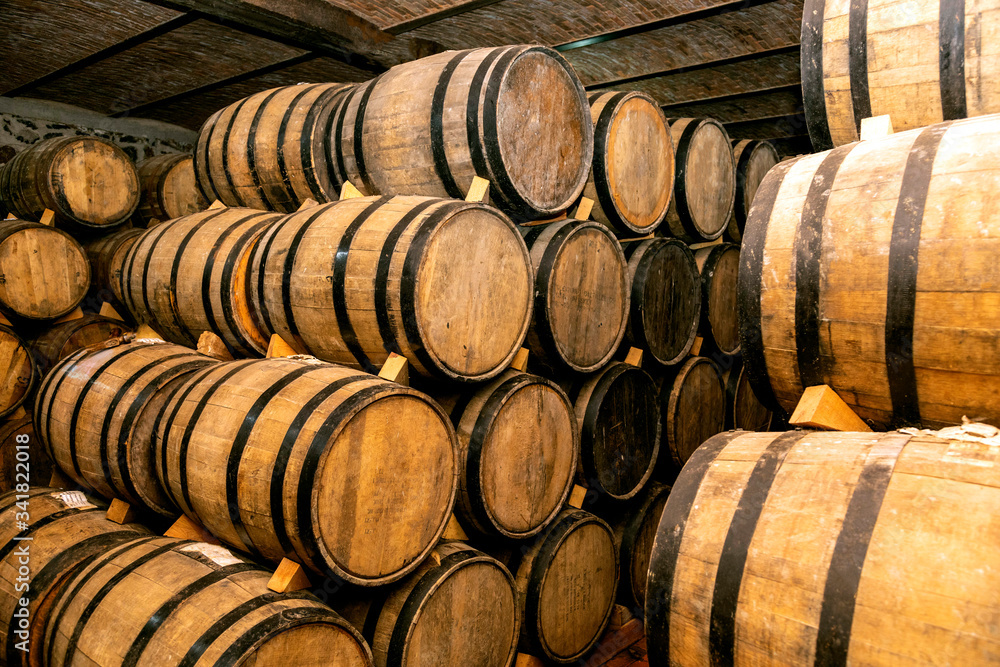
(17,370)
(704,183)
(44,273)
(743,409)
(107,260)
(167,188)
(39,465)
(693,409)
(719,266)
(753,160)
(61,340)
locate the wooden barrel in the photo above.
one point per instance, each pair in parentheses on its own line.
(620,431)
(17,372)
(64,530)
(187,276)
(458,608)
(704,182)
(693,408)
(875,269)
(813,562)
(514,115)
(44,272)
(753,160)
(444,283)
(518,440)
(349,474)
(89,183)
(634,528)
(87,409)
(936,61)
(743,409)
(719,266)
(107,258)
(566,581)
(176,602)
(168,188)
(271,150)
(632,176)
(665,305)
(581,294)
(19,444)
(62,340)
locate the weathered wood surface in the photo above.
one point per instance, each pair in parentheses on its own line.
(107,259)
(753,160)
(704,180)
(61,340)
(719,266)
(37,467)
(17,372)
(743,409)
(44,272)
(167,188)
(693,409)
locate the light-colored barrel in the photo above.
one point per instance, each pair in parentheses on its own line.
(704,180)
(168,188)
(753,160)
(44,272)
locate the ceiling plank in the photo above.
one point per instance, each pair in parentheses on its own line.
(770,102)
(789,125)
(433,17)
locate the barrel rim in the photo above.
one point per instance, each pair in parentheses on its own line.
(121,156)
(680,184)
(73,243)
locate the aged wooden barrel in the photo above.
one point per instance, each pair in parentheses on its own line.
(704,180)
(271,150)
(632,175)
(19,444)
(64,530)
(634,528)
(743,409)
(720,266)
(875,269)
(581,294)
(458,608)
(107,259)
(620,431)
(665,305)
(44,272)
(348,473)
(87,409)
(168,188)
(514,115)
(693,407)
(187,276)
(17,372)
(518,439)
(62,340)
(445,283)
(753,160)
(566,581)
(933,62)
(89,183)
(176,602)
(838,531)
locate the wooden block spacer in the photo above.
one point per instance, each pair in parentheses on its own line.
(216,205)
(107,310)
(634,357)
(48,217)
(121,512)
(696,348)
(18,414)
(821,407)
(583,209)
(288,577)
(186,528)
(75,314)
(4,321)
(876,127)
(277,347)
(528,660)
(520,361)
(348,191)
(454,530)
(211,345)
(145,332)
(577,496)
(59,481)
(479,190)
(396,369)
(308,203)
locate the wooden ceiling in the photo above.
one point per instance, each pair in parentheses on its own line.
(180,60)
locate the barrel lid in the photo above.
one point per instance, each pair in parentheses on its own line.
(45,272)
(97,183)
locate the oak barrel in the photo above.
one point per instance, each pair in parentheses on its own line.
(87,409)
(162,601)
(634,529)
(514,115)
(720,266)
(44,272)
(704,180)
(58,342)
(64,529)
(873,269)
(458,608)
(753,160)
(107,259)
(270,150)
(581,294)
(665,304)
(743,409)
(620,431)
(444,283)
(17,372)
(829,548)
(89,183)
(20,445)
(167,188)
(347,473)
(693,407)
(632,175)
(930,62)
(518,440)
(566,580)
(186,276)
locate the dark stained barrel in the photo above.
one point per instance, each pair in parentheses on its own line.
(44,272)
(743,409)
(107,258)
(62,340)
(719,266)
(19,444)
(753,160)
(693,409)
(18,375)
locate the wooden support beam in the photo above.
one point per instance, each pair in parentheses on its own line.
(821,407)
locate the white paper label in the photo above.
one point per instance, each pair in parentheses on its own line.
(73,499)
(219,555)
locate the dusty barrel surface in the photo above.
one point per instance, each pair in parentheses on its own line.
(18,375)
(632,175)
(107,259)
(87,410)
(176,602)
(931,63)
(666,302)
(168,188)
(720,266)
(271,150)
(873,269)
(514,115)
(89,183)
(635,529)
(342,470)
(753,160)
(693,407)
(19,444)
(64,339)
(872,517)
(187,276)
(581,294)
(566,581)
(458,608)
(704,181)
(743,409)
(444,283)
(44,272)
